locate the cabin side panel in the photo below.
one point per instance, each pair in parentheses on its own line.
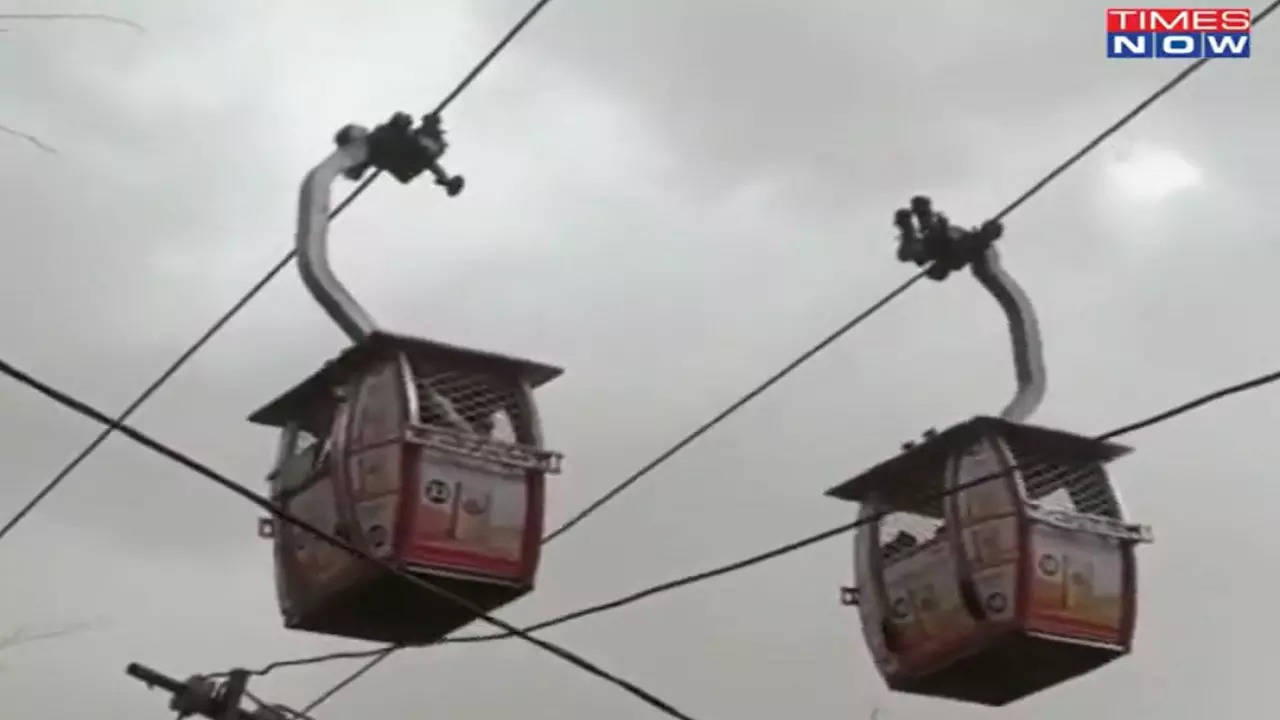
(316,569)
(1076,587)
(468,516)
(872,605)
(927,617)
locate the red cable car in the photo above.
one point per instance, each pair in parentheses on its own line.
(995,560)
(425,455)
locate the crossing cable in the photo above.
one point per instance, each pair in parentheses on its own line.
(921,500)
(168,373)
(266,505)
(732,408)
(101,17)
(382,653)
(377,656)
(342,684)
(252,292)
(279,710)
(1017,202)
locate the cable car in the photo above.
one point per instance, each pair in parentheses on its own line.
(994,559)
(426,455)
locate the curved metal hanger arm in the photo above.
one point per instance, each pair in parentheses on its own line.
(313,238)
(1024,334)
(396,147)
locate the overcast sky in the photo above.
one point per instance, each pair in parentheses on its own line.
(669,199)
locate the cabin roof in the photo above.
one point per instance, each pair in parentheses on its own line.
(304,396)
(903,479)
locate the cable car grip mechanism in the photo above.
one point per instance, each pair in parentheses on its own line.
(399,148)
(925,237)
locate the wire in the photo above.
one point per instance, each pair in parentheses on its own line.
(190,463)
(741,564)
(484,63)
(34,140)
(277,708)
(737,404)
(29,138)
(377,658)
(170,371)
(797,544)
(1193,404)
(1124,120)
(924,499)
(253,291)
(113,19)
(737,565)
(875,517)
(1037,187)
(314,659)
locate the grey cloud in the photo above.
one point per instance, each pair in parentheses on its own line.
(669,199)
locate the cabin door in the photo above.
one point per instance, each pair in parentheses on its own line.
(986,521)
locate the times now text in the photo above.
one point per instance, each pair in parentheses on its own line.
(1178,32)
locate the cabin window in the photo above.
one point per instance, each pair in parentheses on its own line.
(470,402)
(296,471)
(1062,485)
(901,533)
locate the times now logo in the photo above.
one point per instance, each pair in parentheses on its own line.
(1178,32)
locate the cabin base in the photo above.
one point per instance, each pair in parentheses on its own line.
(1010,669)
(391,609)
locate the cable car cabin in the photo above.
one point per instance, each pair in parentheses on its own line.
(427,456)
(1006,586)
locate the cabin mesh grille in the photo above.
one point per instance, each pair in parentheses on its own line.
(469,402)
(1060,485)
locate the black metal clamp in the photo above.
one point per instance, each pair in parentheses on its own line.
(399,148)
(927,237)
